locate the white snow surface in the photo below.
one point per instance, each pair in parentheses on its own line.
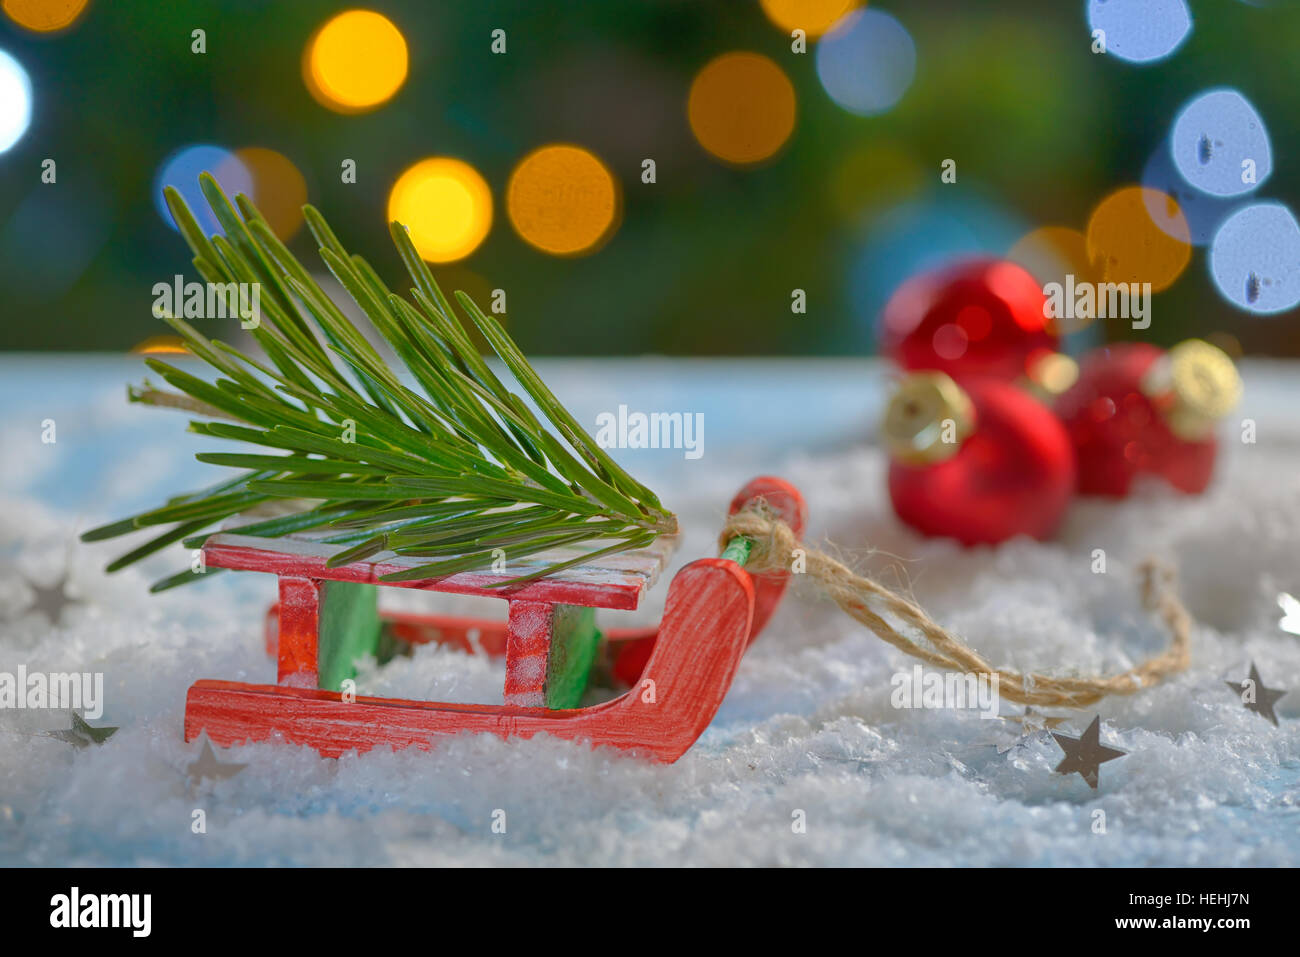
(807,731)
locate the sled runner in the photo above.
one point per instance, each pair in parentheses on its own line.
(326,618)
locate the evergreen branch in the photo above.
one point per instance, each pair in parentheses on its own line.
(455,471)
(148,395)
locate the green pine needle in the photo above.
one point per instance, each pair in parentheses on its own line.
(452,473)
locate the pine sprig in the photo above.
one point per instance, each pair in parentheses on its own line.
(451,473)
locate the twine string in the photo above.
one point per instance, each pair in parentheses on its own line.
(872,604)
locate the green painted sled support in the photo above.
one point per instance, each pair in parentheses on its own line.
(574,644)
(349,629)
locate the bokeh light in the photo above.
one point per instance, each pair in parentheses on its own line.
(460,278)
(813,17)
(279,189)
(1204,213)
(161,346)
(44,16)
(1139,235)
(920,235)
(49,241)
(867,62)
(1050,254)
(1255,259)
(741,108)
(1140,31)
(355,62)
(445,205)
(562,200)
(1215,137)
(870,177)
(182,168)
(1227,342)
(15,101)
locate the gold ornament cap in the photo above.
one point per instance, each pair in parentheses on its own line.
(1194,385)
(927,419)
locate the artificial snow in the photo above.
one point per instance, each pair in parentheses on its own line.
(807,762)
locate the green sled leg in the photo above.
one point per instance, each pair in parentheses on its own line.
(349,629)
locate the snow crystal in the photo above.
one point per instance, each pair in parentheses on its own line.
(807,762)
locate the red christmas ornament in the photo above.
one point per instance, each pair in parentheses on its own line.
(981,462)
(1136,409)
(979,317)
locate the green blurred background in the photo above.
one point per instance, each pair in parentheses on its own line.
(704,260)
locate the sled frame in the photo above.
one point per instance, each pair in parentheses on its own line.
(678,673)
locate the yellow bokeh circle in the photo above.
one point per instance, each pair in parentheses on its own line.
(562,200)
(445,205)
(279,189)
(355,62)
(44,16)
(1127,244)
(1052,254)
(813,17)
(741,108)
(161,346)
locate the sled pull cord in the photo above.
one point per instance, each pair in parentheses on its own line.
(764,544)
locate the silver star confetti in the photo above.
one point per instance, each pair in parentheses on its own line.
(1085,754)
(1255,697)
(207,766)
(81,734)
(52,600)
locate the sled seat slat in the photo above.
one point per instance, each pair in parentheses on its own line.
(613,581)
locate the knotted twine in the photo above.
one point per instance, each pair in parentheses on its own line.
(773,546)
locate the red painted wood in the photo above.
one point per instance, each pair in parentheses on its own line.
(528,648)
(786,501)
(298,631)
(470,635)
(614,584)
(638,633)
(629,659)
(704,633)
(489,637)
(679,673)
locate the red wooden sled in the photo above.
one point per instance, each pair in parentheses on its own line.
(678,673)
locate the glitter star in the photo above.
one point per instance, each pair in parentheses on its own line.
(1086,754)
(207,766)
(52,600)
(81,734)
(1255,697)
